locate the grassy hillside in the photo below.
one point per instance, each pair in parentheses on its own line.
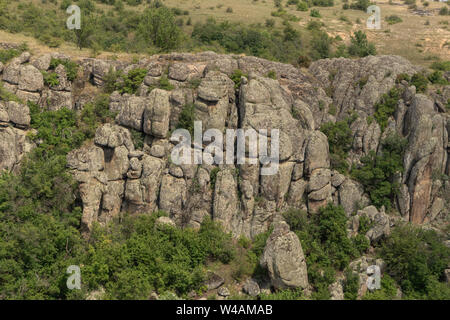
(257,27)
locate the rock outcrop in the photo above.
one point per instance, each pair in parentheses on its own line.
(114,177)
(284,259)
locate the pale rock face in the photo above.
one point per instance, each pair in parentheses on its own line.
(284,259)
(157,114)
(245,202)
(251,288)
(351,196)
(11,73)
(13,146)
(30,79)
(379,220)
(173,197)
(57,100)
(19,114)
(225,203)
(43,62)
(131,112)
(336,290)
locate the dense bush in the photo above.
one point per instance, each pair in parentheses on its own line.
(441,65)
(393,19)
(340,140)
(187,118)
(360,46)
(158,26)
(388,290)
(360,5)
(70,66)
(377,171)
(135,257)
(132,80)
(386,107)
(416,259)
(325,243)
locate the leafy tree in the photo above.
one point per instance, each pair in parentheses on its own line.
(360,46)
(158,26)
(377,171)
(416,259)
(340,139)
(386,107)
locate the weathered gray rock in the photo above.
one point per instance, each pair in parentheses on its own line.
(172,197)
(223,291)
(316,153)
(179,71)
(164,221)
(11,73)
(380,223)
(284,259)
(225,205)
(157,114)
(251,288)
(336,290)
(57,100)
(30,79)
(19,114)
(351,196)
(131,112)
(214,281)
(214,86)
(14,144)
(43,62)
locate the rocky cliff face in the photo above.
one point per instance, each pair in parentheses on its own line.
(115,177)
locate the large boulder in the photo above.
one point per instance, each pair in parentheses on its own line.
(30,79)
(284,259)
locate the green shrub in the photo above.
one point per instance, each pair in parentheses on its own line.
(320,45)
(286,294)
(351,285)
(386,107)
(388,290)
(340,140)
(5,95)
(377,171)
(138,138)
(325,243)
(272,75)
(158,26)
(187,118)
(50,78)
(360,46)
(133,80)
(213,177)
(236,77)
(315,13)
(420,81)
(93,114)
(444,11)
(8,54)
(71,67)
(302,6)
(165,84)
(437,78)
(416,259)
(360,5)
(393,19)
(441,65)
